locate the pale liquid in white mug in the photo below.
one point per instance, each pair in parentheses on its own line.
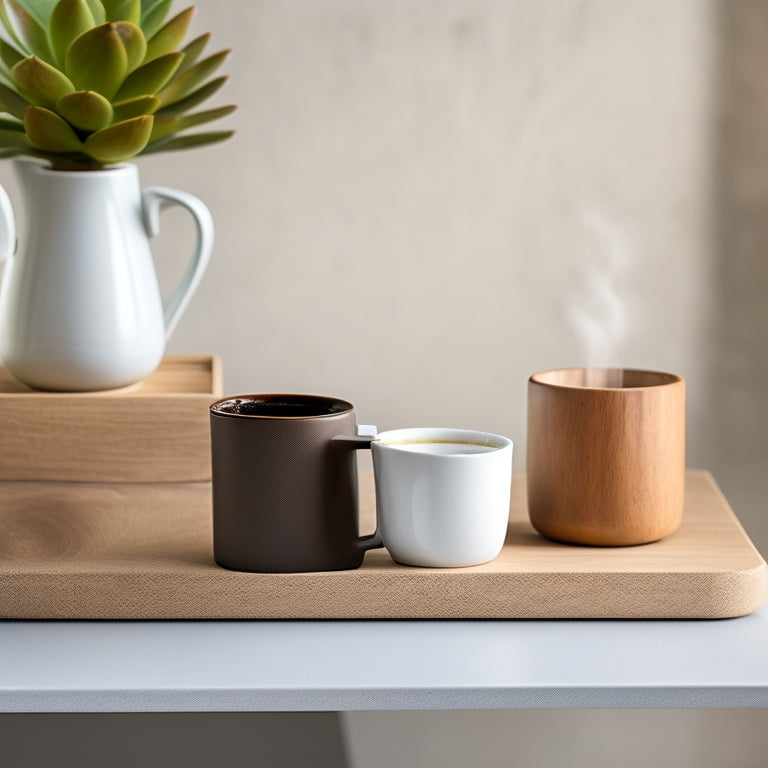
(442,447)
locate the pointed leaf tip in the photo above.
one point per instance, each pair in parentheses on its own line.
(40,83)
(150,78)
(69,19)
(134,43)
(97,60)
(49,131)
(185,83)
(193,50)
(168,38)
(188,141)
(120,141)
(85,110)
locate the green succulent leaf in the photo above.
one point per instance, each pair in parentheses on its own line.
(150,78)
(141,105)
(120,141)
(196,97)
(40,83)
(87,83)
(13,138)
(182,85)
(9,55)
(40,9)
(8,27)
(27,30)
(50,132)
(97,9)
(123,10)
(164,125)
(187,142)
(168,123)
(85,110)
(193,50)
(69,19)
(11,124)
(208,115)
(134,42)
(97,60)
(13,152)
(153,15)
(168,38)
(12,103)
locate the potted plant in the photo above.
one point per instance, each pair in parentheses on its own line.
(86,85)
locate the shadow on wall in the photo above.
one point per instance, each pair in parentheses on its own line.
(737,430)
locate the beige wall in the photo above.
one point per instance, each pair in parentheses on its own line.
(422,195)
(426,201)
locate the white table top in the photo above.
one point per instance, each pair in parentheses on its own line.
(356,665)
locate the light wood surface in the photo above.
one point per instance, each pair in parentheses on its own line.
(153,431)
(143,551)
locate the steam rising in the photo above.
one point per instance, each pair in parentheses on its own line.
(597,312)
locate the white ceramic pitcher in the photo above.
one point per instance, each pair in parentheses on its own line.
(80,305)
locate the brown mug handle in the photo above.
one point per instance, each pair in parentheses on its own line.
(356,443)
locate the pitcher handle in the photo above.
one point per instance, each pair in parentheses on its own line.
(7,227)
(156,199)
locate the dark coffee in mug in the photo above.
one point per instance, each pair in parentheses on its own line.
(294,406)
(285,484)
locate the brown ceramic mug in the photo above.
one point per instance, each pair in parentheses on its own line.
(605,455)
(285,484)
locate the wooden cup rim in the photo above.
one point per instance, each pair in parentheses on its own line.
(603,378)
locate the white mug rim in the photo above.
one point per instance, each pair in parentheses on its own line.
(410,436)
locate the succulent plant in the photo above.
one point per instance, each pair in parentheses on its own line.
(88,83)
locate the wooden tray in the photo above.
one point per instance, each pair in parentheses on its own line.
(135,551)
(154,431)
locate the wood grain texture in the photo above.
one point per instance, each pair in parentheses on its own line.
(143,551)
(605,460)
(153,431)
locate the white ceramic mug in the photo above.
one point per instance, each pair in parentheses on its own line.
(442,495)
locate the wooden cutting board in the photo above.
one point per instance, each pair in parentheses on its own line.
(143,551)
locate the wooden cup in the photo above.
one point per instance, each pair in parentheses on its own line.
(605,455)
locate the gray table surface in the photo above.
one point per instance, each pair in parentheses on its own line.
(367,665)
